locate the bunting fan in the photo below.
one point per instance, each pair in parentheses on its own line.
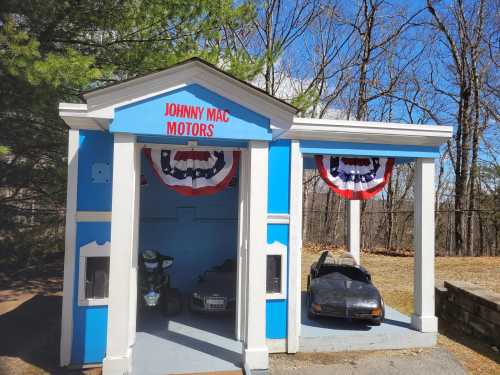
(194,172)
(354,178)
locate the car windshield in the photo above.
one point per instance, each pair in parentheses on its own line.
(352,273)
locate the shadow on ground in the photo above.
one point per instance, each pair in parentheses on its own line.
(31,334)
(469,341)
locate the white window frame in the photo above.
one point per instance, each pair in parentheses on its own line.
(90,250)
(278,248)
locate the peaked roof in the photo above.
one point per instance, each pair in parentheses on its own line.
(190,61)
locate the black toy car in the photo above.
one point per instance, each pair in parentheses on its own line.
(216,289)
(343,289)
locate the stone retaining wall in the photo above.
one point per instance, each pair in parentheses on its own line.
(470,309)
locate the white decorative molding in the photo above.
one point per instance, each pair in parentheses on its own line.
(278,218)
(255,353)
(92,249)
(276,345)
(277,248)
(91,216)
(368,132)
(424,317)
(69,249)
(295,248)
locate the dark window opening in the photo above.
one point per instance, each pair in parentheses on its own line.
(97,277)
(273,282)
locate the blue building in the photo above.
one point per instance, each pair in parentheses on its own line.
(123,199)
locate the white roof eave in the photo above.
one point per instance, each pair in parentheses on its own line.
(368,132)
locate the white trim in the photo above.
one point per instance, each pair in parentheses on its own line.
(102,102)
(368,132)
(295,248)
(354,229)
(255,353)
(424,317)
(92,249)
(278,248)
(76,116)
(92,216)
(156,146)
(278,218)
(123,259)
(276,345)
(69,249)
(242,276)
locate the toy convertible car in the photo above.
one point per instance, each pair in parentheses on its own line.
(340,288)
(216,289)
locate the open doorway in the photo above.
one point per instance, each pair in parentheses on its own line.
(198,234)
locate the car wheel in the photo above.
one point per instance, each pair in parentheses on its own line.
(376,322)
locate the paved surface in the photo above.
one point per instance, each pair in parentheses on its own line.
(188,343)
(435,361)
(335,335)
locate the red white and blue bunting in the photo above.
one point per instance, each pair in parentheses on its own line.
(354,178)
(194,172)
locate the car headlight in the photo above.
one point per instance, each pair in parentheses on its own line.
(377,312)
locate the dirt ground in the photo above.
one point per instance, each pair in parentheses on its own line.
(393,276)
(30,313)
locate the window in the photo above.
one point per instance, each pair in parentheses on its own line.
(273,282)
(96,277)
(276,271)
(93,282)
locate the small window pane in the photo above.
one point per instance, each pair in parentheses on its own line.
(273,282)
(97,277)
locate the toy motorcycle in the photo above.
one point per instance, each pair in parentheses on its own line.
(154,283)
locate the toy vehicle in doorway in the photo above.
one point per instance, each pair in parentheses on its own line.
(154,284)
(216,289)
(340,288)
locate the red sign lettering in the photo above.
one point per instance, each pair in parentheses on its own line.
(211,117)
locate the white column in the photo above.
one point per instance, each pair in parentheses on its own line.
(69,248)
(256,352)
(295,248)
(354,229)
(423,318)
(123,261)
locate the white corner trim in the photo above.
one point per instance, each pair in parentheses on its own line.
(76,116)
(276,345)
(295,248)
(92,216)
(278,218)
(368,132)
(69,249)
(277,248)
(92,249)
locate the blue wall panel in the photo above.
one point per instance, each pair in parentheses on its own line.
(279,177)
(148,117)
(89,322)
(276,319)
(199,232)
(277,232)
(95,147)
(368,149)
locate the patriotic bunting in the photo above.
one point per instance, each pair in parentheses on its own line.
(354,178)
(194,172)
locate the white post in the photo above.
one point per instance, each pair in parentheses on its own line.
(123,259)
(295,248)
(256,353)
(242,277)
(354,229)
(69,248)
(423,318)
